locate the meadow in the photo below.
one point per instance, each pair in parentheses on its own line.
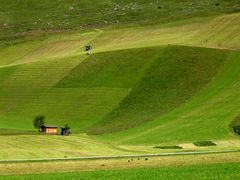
(160,74)
(200,171)
(101,91)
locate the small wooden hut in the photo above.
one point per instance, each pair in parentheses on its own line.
(49,129)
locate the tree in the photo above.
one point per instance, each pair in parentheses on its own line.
(38,122)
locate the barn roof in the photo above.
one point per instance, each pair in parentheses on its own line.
(49,126)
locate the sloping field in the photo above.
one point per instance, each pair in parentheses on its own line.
(148,81)
(205,116)
(176,75)
(213,32)
(26,92)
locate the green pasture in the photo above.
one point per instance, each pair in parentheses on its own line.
(127,81)
(166,82)
(200,171)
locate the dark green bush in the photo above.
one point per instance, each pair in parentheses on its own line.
(204,143)
(235,125)
(168,147)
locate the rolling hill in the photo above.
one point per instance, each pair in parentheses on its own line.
(170,79)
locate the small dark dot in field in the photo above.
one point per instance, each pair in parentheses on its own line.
(103,165)
(129,161)
(138,158)
(146,159)
(65,156)
(159,7)
(217,4)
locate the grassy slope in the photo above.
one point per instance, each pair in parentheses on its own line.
(121,69)
(221,32)
(205,116)
(202,171)
(176,75)
(23,15)
(27,91)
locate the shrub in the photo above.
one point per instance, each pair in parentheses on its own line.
(235,125)
(168,147)
(204,143)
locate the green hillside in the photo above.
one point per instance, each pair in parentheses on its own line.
(25,16)
(206,116)
(176,75)
(160,72)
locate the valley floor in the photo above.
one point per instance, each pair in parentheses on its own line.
(201,171)
(132,164)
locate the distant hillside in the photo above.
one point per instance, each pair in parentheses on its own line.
(27,15)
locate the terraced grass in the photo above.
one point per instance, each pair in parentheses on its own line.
(201,171)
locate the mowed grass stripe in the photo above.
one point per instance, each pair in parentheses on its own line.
(121,69)
(176,75)
(79,107)
(206,116)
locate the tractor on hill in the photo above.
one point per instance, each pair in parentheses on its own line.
(88,47)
